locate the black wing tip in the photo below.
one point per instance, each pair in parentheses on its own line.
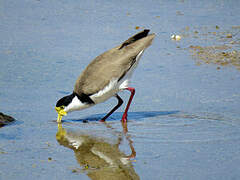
(146,30)
(136,37)
(142,34)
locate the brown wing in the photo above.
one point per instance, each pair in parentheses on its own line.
(111,64)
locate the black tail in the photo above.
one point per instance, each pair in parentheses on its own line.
(136,37)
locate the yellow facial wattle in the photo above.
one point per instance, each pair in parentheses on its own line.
(61,113)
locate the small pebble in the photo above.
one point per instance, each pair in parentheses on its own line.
(176,37)
(74,171)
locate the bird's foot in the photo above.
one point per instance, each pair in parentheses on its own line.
(124,118)
(102,120)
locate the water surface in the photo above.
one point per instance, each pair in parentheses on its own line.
(183,123)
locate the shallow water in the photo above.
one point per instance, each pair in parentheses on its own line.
(184,121)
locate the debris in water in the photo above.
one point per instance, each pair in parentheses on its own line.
(213,46)
(220,55)
(74,171)
(176,37)
(5,119)
(229,36)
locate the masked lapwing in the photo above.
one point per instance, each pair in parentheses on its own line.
(105,76)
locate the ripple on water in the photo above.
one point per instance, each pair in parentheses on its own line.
(166,127)
(185,128)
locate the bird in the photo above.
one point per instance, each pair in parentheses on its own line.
(105,76)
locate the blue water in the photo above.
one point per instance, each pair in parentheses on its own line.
(184,121)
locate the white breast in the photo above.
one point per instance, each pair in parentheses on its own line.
(110,90)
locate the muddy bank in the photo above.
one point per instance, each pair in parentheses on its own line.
(5,119)
(215,45)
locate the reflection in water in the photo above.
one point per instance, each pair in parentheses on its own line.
(131,115)
(98,158)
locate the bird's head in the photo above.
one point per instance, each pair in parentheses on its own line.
(72,102)
(61,106)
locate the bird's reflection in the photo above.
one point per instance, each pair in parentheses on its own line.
(98,158)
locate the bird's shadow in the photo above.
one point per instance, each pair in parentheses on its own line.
(118,115)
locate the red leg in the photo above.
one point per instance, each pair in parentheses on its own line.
(132,90)
(120,101)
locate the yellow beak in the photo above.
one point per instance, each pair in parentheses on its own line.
(61,113)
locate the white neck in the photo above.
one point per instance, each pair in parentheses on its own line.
(76,105)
